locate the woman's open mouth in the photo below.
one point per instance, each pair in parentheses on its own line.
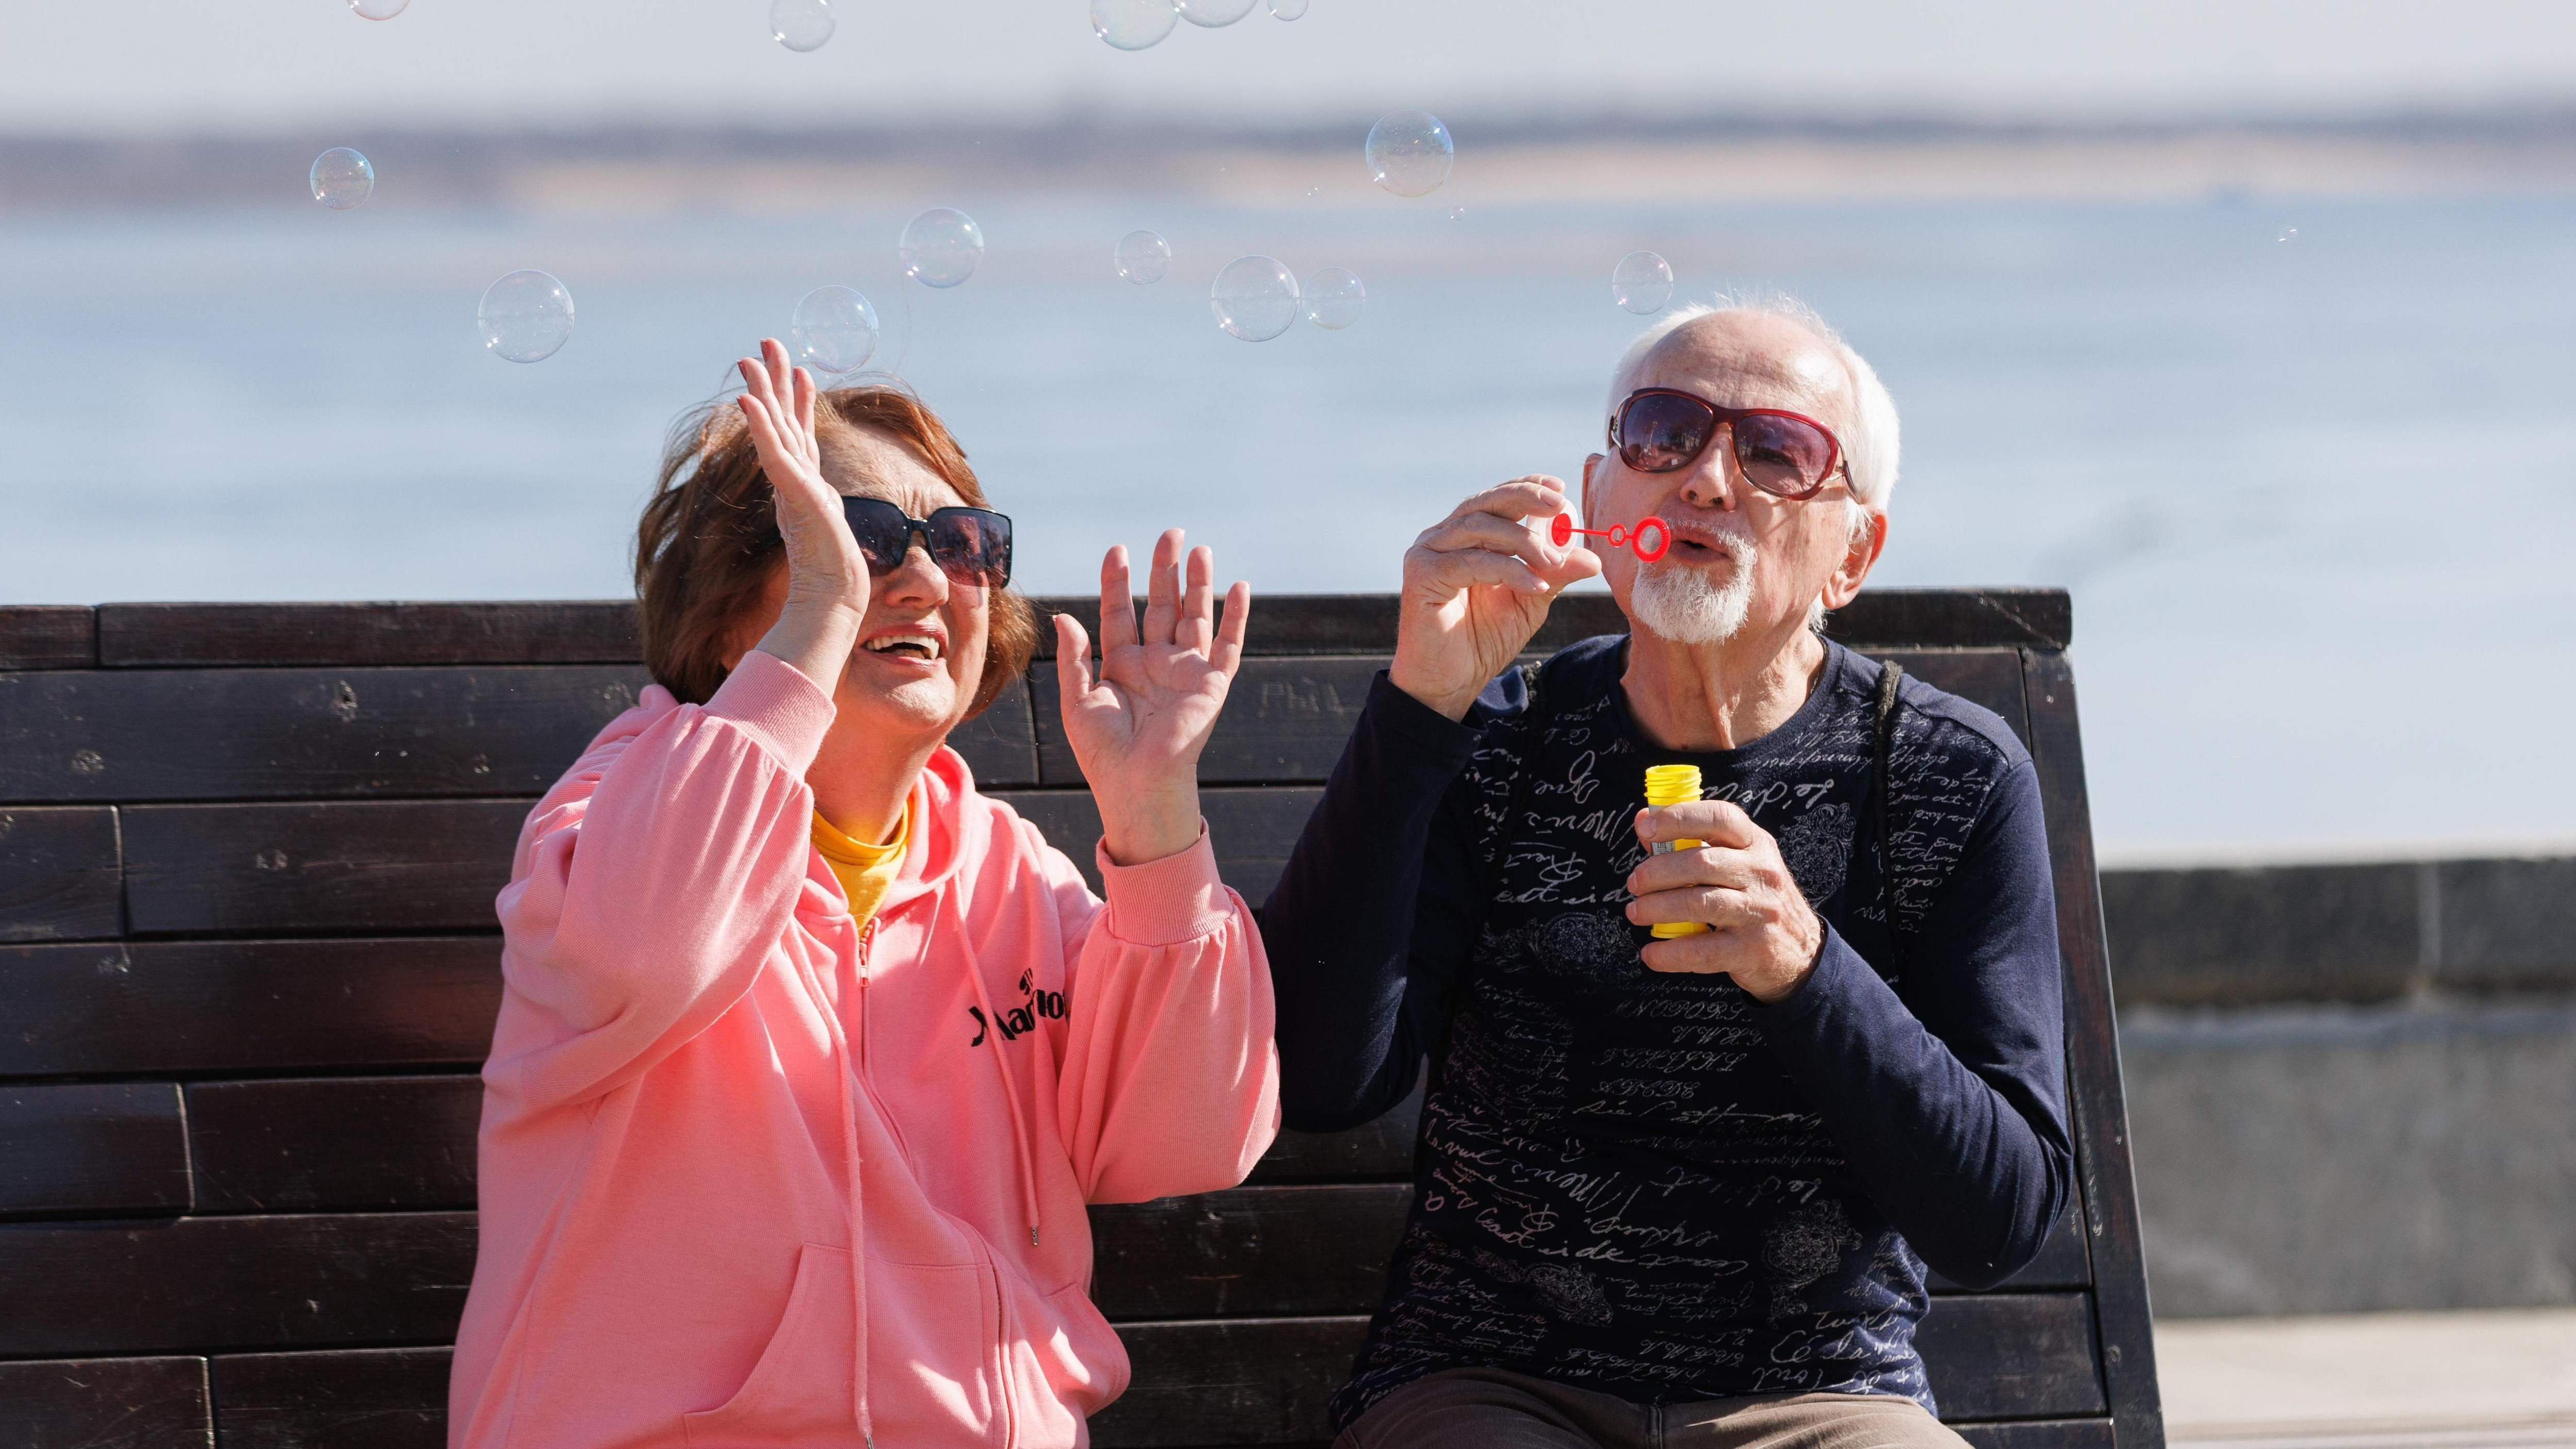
(923,647)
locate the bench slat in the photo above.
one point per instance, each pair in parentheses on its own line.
(60,874)
(199,1283)
(337,1144)
(1287,719)
(2103,1170)
(48,636)
(106,1403)
(2012,1356)
(360,1398)
(334,1143)
(2041,1434)
(92,1148)
(1289,624)
(564,631)
(188,1007)
(292,734)
(378,866)
(435,865)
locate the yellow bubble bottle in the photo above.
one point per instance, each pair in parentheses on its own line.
(1672,785)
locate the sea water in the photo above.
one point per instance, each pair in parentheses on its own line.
(2315,499)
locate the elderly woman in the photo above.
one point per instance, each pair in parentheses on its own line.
(810,1055)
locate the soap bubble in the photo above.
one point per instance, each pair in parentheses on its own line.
(1213,13)
(1409,152)
(1143,257)
(1642,282)
(801,25)
(342,178)
(1255,298)
(1287,9)
(1133,24)
(525,317)
(2288,233)
(833,330)
(1334,298)
(379,9)
(941,247)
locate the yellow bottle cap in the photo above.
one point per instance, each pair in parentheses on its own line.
(1671,784)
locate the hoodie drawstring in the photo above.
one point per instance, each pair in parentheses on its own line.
(1010,1087)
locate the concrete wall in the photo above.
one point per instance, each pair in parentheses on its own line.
(2351,1087)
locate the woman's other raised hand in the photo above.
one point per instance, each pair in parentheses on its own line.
(827,575)
(1138,726)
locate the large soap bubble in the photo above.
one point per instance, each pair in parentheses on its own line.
(342,178)
(1642,282)
(379,9)
(1409,152)
(1143,257)
(1334,298)
(941,247)
(1213,13)
(801,25)
(526,317)
(1255,298)
(1133,24)
(833,330)
(1288,9)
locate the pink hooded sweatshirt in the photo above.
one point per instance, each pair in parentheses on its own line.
(752,1177)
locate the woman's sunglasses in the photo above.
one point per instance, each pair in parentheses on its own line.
(970,545)
(1660,430)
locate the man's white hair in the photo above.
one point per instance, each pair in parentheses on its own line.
(1870,442)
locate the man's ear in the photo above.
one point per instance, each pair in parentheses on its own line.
(1858,560)
(1591,465)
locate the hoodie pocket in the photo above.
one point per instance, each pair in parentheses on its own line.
(934,1338)
(799,1391)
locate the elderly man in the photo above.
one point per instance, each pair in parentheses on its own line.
(1679,1191)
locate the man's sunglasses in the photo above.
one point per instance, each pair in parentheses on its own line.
(970,545)
(1785,454)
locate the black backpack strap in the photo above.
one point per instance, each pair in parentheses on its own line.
(1882,787)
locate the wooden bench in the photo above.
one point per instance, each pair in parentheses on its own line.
(248,967)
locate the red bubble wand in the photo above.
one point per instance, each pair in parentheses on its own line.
(1649,537)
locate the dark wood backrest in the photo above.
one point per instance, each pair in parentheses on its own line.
(248,966)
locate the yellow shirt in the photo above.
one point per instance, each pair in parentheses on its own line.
(866,872)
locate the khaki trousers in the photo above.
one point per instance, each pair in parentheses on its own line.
(1493,1409)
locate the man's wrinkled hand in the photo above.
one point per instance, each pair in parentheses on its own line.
(1761,930)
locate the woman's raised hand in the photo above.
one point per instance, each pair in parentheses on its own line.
(1138,726)
(827,575)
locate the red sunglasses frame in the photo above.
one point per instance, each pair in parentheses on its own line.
(1720,417)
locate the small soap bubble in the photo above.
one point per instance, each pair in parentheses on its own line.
(1457,213)
(1409,152)
(833,330)
(2289,233)
(379,9)
(342,178)
(526,317)
(1133,24)
(1334,298)
(1255,298)
(941,247)
(801,25)
(1287,9)
(1143,257)
(1642,282)
(1213,13)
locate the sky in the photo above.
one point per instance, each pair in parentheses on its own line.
(194,66)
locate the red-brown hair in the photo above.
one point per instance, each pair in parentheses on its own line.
(709,542)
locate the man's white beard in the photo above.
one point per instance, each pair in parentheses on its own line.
(1680,603)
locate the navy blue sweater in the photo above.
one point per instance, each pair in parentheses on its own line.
(1647,1183)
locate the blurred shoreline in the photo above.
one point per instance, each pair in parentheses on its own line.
(1505,160)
